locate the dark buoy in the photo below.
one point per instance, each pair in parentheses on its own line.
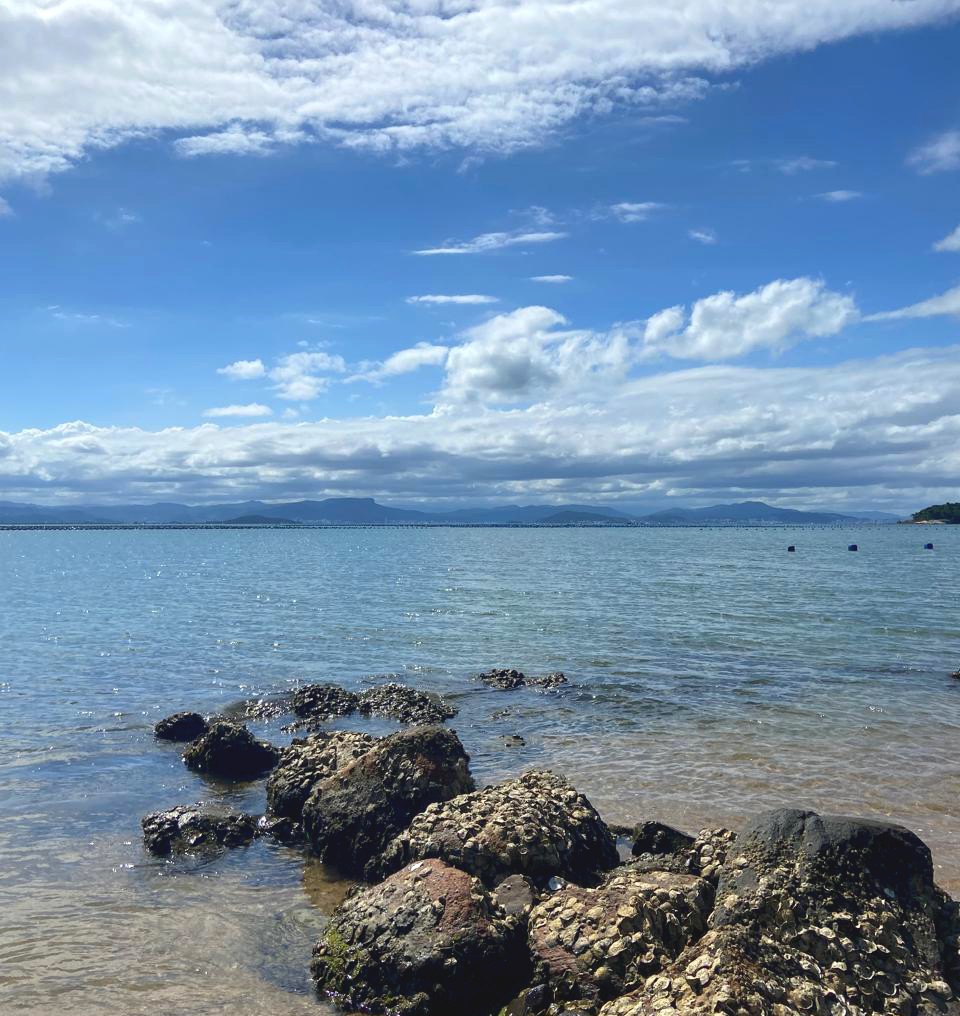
(791,549)
(928,546)
(853,546)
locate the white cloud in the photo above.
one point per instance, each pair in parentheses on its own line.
(5,208)
(938,155)
(382,74)
(634,211)
(883,431)
(404,361)
(487,242)
(556,280)
(839,196)
(250,409)
(724,325)
(300,377)
(243,370)
(235,140)
(951,242)
(704,236)
(945,305)
(802,164)
(466,298)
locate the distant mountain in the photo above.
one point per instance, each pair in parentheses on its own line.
(575,518)
(744,513)
(948,512)
(259,520)
(523,514)
(877,516)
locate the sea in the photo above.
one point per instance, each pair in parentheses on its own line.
(712,675)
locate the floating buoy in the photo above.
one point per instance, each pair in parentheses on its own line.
(928,546)
(853,546)
(792,549)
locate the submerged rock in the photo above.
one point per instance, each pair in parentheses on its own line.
(537,825)
(429,941)
(352,815)
(551,680)
(509,679)
(195,828)
(232,752)
(308,761)
(184,726)
(817,914)
(408,705)
(599,943)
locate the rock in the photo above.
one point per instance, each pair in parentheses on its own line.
(537,825)
(232,752)
(552,680)
(321,702)
(429,940)
(308,761)
(405,704)
(516,896)
(709,852)
(656,838)
(817,914)
(513,741)
(352,815)
(181,727)
(267,708)
(504,679)
(599,943)
(194,828)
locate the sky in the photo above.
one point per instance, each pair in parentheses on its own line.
(451,252)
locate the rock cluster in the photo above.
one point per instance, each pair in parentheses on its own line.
(231,752)
(408,705)
(181,727)
(427,940)
(659,847)
(600,943)
(351,816)
(195,828)
(506,679)
(537,825)
(323,701)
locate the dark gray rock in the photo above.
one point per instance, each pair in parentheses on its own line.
(231,752)
(307,762)
(323,701)
(552,680)
(656,838)
(181,727)
(537,825)
(196,828)
(503,678)
(408,705)
(516,896)
(352,815)
(428,941)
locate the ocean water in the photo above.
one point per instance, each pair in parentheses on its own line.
(712,675)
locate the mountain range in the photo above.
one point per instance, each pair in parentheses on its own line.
(367,511)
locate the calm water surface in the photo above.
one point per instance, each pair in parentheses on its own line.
(713,675)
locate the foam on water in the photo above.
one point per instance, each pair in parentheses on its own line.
(713,675)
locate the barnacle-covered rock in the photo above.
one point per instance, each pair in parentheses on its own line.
(352,815)
(305,763)
(816,914)
(195,828)
(599,943)
(509,679)
(537,825)
(428,940)
(180,727)
(314,704)
(709,852)
(408,705)
(231,752)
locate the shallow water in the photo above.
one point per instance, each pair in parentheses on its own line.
(714,675)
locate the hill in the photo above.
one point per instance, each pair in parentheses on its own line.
(577,518)
(259,520)
(746,513)
(948,512)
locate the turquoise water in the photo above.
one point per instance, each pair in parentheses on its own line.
(712,675)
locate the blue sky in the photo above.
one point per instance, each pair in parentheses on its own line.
(671,268)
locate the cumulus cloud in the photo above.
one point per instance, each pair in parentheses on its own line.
(250,409)
(243,370)
(382,74)
(951,242)
(704,236)
(405,361)
(884,430)
(300,377)
(466,298)
(555,280)
(839,196)
(938,155)
(945,305)
(725,325)
(488,242)
(634,211)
